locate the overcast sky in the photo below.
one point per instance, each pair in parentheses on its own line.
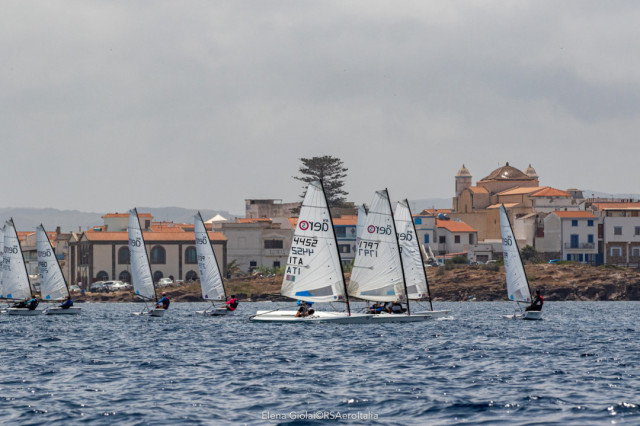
(106,105)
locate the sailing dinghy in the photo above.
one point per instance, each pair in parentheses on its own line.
(314,270)
(15,280)
(413,260)
(53,286)
(140,269)
(518,288)
(378,274)
(210,276)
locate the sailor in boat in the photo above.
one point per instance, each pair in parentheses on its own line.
(164,302)
(376,308)
(232,303)
(305,309)
(536,303)
(67,303)
(396,308)
(31,304)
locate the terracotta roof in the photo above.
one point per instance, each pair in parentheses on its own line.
(151,236)
(520,190)
(478,190)
(506,205)
(453,226)
(617,206)
(165,228)
(110,215)
(253,220)
(345,220)
(547,191)
(434,212)
(574,214)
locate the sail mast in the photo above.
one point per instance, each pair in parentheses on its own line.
(515,241)
(335,238)
(144,244)
(395,233)
(415,232)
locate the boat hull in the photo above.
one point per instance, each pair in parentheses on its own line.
(60,311)
(527,315)
(317,317)
(414,317)
(433,314)
(24,312)
(156,312)
(217,312)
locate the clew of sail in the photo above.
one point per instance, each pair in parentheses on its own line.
(517,284)
(140,269)
(314,272)
(210,277)
(15,281)
(52,283)
(377,268)
(410,249)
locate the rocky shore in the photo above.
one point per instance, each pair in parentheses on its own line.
(459,283)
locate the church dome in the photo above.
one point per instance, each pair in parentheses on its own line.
(531,172)
(507,172)
(463,172)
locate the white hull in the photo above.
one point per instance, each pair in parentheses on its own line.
(24,312)
(385,317)
(217,312)
(433,314)
(318,316)
(157,312)
(60,311)
(527,315)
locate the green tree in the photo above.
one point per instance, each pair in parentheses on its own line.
(331,171)
(529,253)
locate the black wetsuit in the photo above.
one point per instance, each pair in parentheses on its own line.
(536,304)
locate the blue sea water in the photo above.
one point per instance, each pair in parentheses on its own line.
(577,366)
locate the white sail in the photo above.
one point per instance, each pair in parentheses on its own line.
(517,284)
(52,283)
(1,255)
(411,257)
(15,281)
(362,216)
(140,269)
(377,268)
(314,272)
(210,277)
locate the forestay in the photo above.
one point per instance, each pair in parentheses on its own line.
(314,272)
(15,281)
(210,277)
(410,249)
(377,268)
(52,283)
(517,284)
(140,269)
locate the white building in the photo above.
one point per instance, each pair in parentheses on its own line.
(620,235)
(572,234)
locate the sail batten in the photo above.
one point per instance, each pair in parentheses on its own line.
(377,274)
(15,283)
(313,269)
(210,277)
(517,283)
(140,268)
(52,283)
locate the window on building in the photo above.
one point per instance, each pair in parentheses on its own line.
(635,251)
(617,230)
(190,255)
(276,263)
(426,238)
(125,277)
(615,251)
(456,239)
(472,239)
(191,276)
(341,231)
(344,248)
(157,275)
(273,244)
(637,230)
(418,221)
(590,238)
(574,241)
(158,255)
(102,276)
(590,222)
(574,222)
(253,264)
(442,240)
(123,256)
